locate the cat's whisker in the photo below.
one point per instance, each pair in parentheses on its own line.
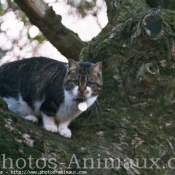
(69,99)
(59,94)
(69,102)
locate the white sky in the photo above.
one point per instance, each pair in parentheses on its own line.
(14,30)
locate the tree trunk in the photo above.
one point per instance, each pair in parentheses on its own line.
(137,49)
(132,125)
(65,40)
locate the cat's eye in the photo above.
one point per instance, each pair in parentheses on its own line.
(89,83)
(75,82)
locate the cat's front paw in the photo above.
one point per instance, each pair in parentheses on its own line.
(51,128)
(65,132)
(31,118)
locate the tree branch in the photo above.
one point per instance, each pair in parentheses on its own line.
(65,40)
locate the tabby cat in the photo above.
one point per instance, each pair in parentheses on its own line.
(44,87)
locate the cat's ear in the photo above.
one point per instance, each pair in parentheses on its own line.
(72,65)
(97,67)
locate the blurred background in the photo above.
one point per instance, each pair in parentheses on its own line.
(20,39)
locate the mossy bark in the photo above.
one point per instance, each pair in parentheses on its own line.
(133,120)
(137,50)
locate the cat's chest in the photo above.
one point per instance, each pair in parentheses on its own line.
(69,109)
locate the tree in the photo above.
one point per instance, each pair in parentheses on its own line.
(40,14)
(133,122)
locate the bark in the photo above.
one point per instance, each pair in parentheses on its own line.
(137,51)
(134,116)
(66,41)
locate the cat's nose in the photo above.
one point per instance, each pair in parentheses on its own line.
(81,90)
(83,93)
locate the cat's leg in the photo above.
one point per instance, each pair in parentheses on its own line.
(31,118)
(49,123)
(64,130)
(20,107)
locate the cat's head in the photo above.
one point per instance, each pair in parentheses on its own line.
(83,80)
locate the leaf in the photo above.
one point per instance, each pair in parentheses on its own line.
(40,38)
(23,18)
(1,8)
(9,2)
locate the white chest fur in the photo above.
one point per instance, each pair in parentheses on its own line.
(69,108)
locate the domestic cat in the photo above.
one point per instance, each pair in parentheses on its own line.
(41,86)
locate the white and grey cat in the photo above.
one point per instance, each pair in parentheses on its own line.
(45,87)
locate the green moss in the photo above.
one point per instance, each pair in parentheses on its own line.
(169,71)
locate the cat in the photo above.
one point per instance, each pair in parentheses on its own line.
(41,86)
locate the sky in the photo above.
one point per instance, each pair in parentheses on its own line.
(14,34)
